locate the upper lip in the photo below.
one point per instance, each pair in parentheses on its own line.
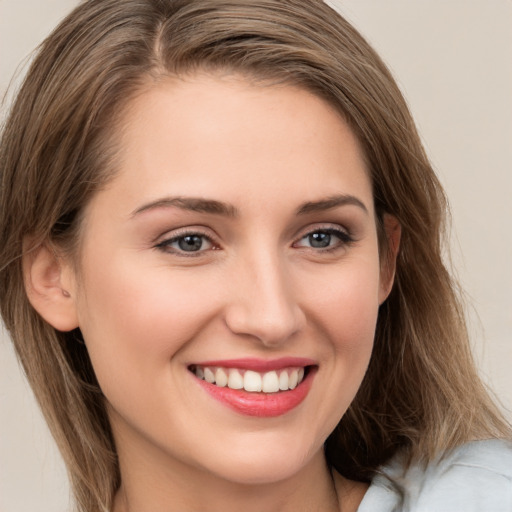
(259,365)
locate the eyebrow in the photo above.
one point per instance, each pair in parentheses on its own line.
(330,203)
(211,206)
(194,204)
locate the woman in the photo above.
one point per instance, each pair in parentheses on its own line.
(221,268)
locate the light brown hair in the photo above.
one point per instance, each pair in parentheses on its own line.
(421,392)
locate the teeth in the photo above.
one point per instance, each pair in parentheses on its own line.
(221,378)
(235,381)
(252,381)
(209,376)
(268,382)
(283,381)
(294,379)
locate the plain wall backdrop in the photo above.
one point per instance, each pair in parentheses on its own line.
(453,61)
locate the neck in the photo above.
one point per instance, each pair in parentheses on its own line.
(146,488)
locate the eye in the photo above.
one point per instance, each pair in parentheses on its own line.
(189,243)
(328,238)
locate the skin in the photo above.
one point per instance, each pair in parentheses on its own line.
(256,288)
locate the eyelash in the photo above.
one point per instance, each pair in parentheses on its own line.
(165,245)
(344,240)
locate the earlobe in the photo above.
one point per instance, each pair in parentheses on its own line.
(50,287)
(393,232)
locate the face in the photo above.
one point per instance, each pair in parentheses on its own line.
(230,279)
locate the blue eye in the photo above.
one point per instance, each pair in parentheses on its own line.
(187,243)
(324,239)
(320,239)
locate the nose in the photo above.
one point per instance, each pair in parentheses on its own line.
(262,302)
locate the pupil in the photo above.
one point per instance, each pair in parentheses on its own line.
(190,243)
(320,239)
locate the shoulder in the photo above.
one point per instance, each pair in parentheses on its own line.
(474,477)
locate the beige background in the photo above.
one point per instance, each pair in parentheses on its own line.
(453,60)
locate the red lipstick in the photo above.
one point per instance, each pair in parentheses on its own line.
(260,365)
(260,404)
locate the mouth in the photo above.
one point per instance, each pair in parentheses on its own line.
(254,382)
(257,388)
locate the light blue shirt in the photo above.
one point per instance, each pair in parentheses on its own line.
(476,477)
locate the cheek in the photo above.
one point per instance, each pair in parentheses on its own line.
(343,312)
(346,308)
(135,321)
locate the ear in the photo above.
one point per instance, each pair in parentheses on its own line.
(392,231)
(50,287)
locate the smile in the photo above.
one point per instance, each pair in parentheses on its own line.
(255,382)
(253,387)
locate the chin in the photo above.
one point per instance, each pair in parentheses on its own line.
(261,472)
(260,463)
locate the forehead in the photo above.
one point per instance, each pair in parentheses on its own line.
(230,139)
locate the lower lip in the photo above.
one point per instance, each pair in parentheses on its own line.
(262,405)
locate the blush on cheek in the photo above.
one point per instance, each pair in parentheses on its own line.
(350,314)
